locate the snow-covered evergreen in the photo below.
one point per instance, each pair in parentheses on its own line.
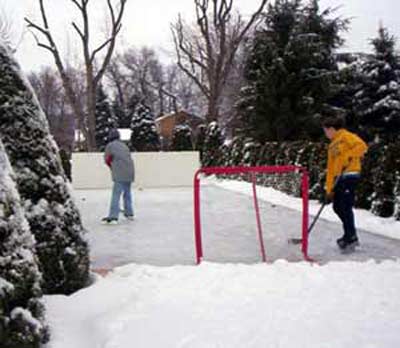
(212,145)
(52,215)
(120,113)
(182,138)
(21,312)
(144,136)
(105,120)
(377,101)
(350,72)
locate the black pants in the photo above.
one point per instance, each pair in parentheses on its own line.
(343,203)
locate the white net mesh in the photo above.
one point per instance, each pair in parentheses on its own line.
(229,223)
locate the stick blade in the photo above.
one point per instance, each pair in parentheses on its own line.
(295,241)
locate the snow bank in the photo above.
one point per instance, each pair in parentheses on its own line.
(282,305)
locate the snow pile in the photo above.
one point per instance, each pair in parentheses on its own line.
(277,305)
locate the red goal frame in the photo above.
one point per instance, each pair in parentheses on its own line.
(252,171)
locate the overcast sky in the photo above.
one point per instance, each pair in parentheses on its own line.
(146,22)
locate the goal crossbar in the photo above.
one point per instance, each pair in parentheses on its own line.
(251,170)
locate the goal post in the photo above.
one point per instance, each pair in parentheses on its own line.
(251,171)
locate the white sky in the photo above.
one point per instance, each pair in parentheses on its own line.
(147,22)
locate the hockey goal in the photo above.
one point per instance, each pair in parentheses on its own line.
(253,175)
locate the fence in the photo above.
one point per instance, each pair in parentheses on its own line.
(152,169)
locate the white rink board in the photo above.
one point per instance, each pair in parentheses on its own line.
(152,169)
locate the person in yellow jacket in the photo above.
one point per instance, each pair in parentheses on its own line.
(345,154)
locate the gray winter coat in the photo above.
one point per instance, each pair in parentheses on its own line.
(122,167)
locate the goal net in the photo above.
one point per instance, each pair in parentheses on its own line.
(234,216)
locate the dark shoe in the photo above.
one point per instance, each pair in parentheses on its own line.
(347,244)
(350,247)
(341,243)
(353,243)
(109,221)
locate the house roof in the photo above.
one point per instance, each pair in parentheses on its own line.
(172,114)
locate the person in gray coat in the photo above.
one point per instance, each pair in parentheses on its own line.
(118,157)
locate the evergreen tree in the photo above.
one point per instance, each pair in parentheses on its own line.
(349,84)
(52,215)
(200,137)
(377,101)
(21,312)
(105,120)
(291,72)
(131,107)
(212,145)
(182,138)
(121,115)
(144,136)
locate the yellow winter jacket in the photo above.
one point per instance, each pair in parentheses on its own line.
(344,156)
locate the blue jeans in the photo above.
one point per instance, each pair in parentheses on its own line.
(119,188)
(343,202)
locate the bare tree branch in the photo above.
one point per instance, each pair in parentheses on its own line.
(116,27)
(206,54)
(92,78)
(77,5)
(178,37)
(78,30)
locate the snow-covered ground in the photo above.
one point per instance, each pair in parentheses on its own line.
(231,300)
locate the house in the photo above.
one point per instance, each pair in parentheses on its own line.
(165,124)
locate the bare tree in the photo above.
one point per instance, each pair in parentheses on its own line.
(49,90)
(94,70)
(140,73)
(143,66)
(206,52)
(187,94)
(118,79)
(165,88)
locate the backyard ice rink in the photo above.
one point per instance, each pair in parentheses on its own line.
(162,233)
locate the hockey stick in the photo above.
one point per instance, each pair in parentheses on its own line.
(300,240)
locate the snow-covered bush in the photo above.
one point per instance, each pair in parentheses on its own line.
(211,147)
(52,215)
(200,139)
(383,178)
(144,136)
(397,193)
(378,191)
(21,312)
(182,138)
